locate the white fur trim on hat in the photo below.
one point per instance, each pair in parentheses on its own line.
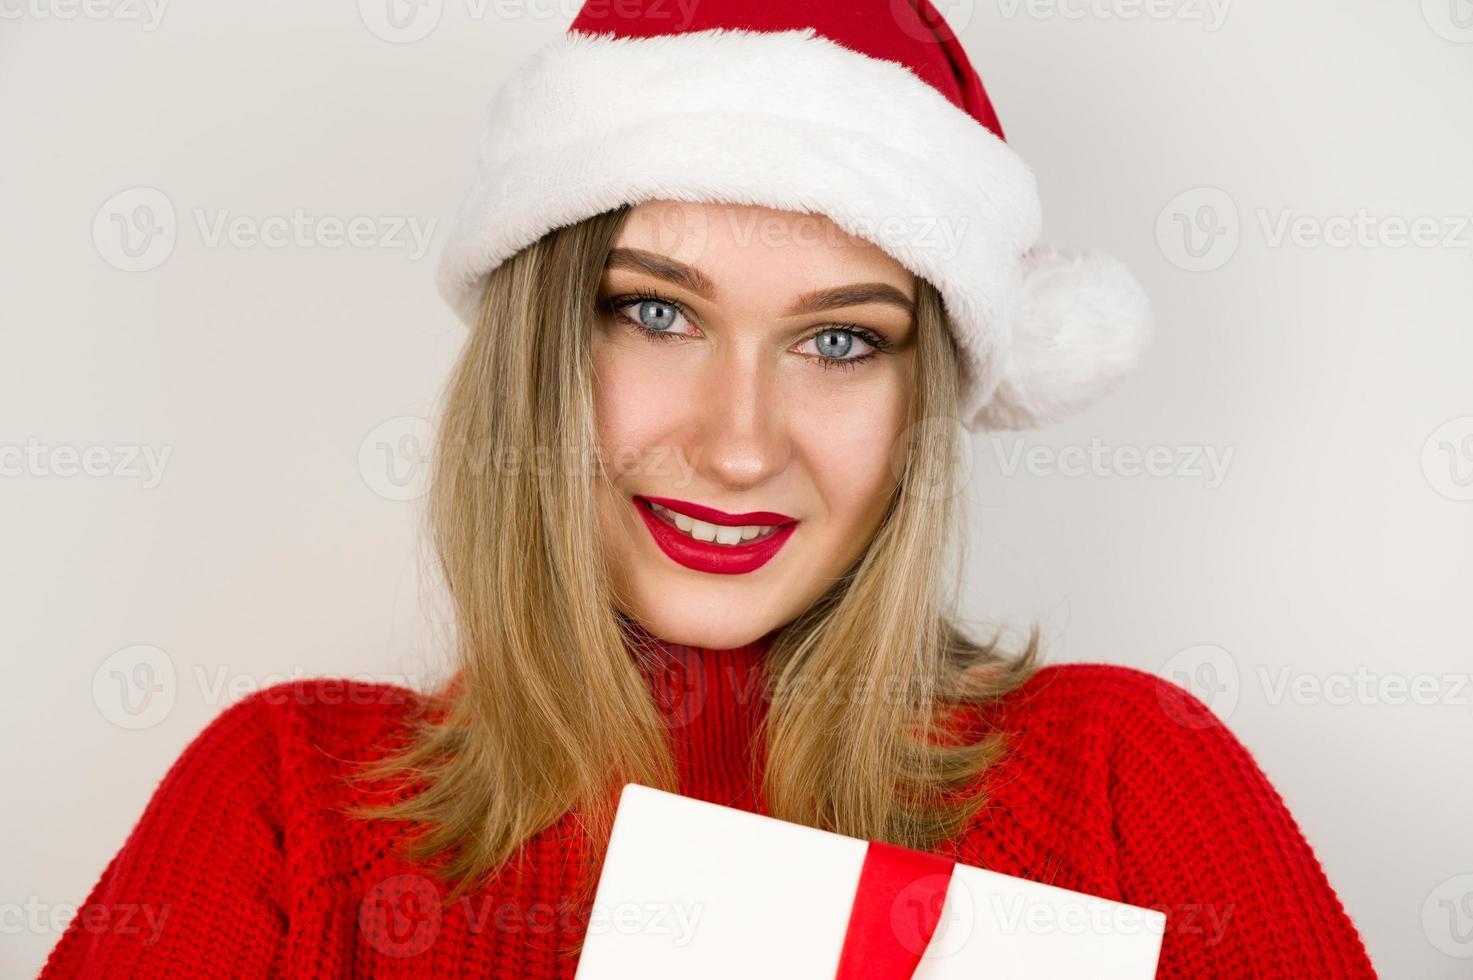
(788,120)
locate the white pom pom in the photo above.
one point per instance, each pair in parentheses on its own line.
(1082,324)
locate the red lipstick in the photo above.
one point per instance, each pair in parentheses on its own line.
(708,556)
(713,516)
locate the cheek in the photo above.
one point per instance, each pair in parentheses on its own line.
(638,401)
(849,441)
(621,410)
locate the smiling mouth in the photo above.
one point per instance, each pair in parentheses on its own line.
(711,533)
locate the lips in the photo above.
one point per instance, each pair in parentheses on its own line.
(713,516)
(713,556)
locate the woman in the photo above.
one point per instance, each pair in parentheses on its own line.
(693,501)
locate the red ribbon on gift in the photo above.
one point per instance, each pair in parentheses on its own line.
(897,906)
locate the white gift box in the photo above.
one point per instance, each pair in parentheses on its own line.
(691,889)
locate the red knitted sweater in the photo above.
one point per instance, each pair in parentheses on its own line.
(1117,784)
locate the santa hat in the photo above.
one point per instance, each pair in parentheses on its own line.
(866,111)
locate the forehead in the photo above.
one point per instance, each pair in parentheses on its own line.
(760,247)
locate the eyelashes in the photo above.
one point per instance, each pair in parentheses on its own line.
(616,305)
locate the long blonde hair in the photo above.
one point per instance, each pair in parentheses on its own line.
(550,714)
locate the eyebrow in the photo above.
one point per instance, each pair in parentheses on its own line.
(690,278)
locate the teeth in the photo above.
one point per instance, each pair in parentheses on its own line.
(705,531)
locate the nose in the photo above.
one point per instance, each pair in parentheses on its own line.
(741,439)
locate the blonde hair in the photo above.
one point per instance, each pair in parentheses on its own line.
(550,713)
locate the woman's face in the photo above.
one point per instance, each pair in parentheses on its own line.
(754,370)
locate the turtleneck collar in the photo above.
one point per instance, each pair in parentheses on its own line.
(713,703)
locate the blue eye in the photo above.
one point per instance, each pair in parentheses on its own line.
(834,346)
(651,316)
(834,343)
(655,317)
(656,314)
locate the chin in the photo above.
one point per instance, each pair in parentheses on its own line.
(698,626)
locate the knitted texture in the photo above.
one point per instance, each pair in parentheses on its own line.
(1117,784)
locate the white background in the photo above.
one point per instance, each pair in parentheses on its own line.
(1333,556)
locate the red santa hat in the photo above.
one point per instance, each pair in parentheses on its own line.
(866,111)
